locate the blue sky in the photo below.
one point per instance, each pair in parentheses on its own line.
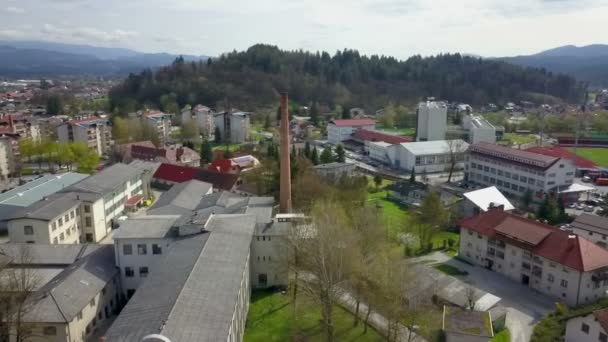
(400,28)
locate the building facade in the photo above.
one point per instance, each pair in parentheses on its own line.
(590,326)
(233,127)
(160,123)
(432,118)
(429,156)
(592,227)
(545,258)
(94,132)
(479,129)
(340,130)
(515,172)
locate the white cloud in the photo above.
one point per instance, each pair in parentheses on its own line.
(15,10)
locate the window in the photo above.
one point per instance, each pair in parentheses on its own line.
(28,230)
(67,217)
(564,283)
(486,168)
(54,226)
(508,174)
(499,172)
(143,272)
(68,232)
(550,278)
(60,222)
(50,331)
(127,249)
(493,170)
(585,328)
(129,273)
(79,316)
(55,241)
(142,249)
(87,208)
(92,302)
(61,236)
(603,337)
(103,291)
(99,316)
(72,213)
(157,249)
(130,293)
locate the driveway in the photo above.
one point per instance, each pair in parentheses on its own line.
(524,306)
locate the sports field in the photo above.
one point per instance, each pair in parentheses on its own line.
(563,152)
(598,155)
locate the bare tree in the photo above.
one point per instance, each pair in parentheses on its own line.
(454,156)
(18,283)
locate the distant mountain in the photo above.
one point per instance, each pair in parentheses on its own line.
(33,58)
(587,63)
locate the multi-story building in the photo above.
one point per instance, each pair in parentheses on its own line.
(547,259)
(103,197)
(233,127)
(479,129)
(592,227)
(515,172)
(159,122)
(340,130)
(7,158)
(429,156)
(53,220)
(432,118)
(95,132)
(23,125)
(173,155)
(73,292)
(204,118)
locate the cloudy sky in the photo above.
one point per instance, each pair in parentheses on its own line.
(392,27)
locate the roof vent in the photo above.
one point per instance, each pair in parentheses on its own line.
(570,237)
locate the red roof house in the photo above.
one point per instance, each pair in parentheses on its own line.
(224,166)
(172,174)
(363,135)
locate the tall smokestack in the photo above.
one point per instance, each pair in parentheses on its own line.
(285,193)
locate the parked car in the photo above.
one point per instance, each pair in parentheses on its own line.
(580,206)
(586,179)
(589,209)
(572,205)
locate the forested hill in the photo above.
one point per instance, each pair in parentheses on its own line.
(254,77)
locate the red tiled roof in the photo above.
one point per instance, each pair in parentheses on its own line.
(224,181)
(353,122)
(540,239)
(561,152)
(223,165)
(176,173)
(602,318)
(519,156)
(134,200)
(369,135)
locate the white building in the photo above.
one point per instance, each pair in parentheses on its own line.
(428,156)
(340,130)
(159,122)
(589,326)
(479,129)
(379,150)
(545,258)
(94,132)
(483,200)
(336,170)
(515,172)
(592,227)
(8,161)
(233,127)
(77,293)
(432,121)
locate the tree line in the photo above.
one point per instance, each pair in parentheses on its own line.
(252,79)
(68,154)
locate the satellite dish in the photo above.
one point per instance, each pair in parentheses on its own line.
(155,338)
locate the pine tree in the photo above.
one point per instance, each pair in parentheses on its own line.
(314,156)
(206,152)
(413,176)
(314,114)
(340,154)
(326,156)
(307,151)
(218,135)
(267,122)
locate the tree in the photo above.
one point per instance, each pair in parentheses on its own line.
(190,131)
(314,156)
(527,198)
(27,148)
(307,151)
(206,152)
(377,180)
(340,154)
(227,153)
(454,156)
(266,122)
(431,218)
(345,113)
(314,114)
(218,135)
(54,105)
(413,176)
(120,130)
(326,156)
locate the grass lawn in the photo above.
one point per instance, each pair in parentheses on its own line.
(451,270)
(597,155)
(519,139)
(271,319)
(232,147)
(394,215)
(503,336)
(400,131)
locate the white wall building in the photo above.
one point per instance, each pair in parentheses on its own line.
(592,326)
(233,127)
(160,122)
(479,129)
(428,156)
(340,130)
(432,118)
(514,172)
(545,258)
(94,132)
(592,227)
(203,116)
(7,158)
(379,150)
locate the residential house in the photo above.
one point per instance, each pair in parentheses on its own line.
(516,172)
(588,326)
(167,175)
(431,121)
(172,155)
(341,130)
(204,118)
(482,200)
(158,122)
(479,129)
(547,259)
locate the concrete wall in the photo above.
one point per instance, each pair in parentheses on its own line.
(456,337)
(574,332)
(44,232)
(597,238)
(239,318)
(268,257)
(432,122)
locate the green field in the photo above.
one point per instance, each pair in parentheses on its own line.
(394,215)
(519,139)
(401,131)
(271,319)
(597,155)
(450,270)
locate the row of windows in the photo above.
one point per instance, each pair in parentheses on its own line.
(264,238)
(130,272)
(142,249)
(510,165)
(65,219)
(62,237)
(506,174)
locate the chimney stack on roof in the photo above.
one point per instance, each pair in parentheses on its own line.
(285,191)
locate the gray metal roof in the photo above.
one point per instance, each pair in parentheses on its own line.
(592,223)
(107,179)
(35,190)
(185,195)
(192,296)
(144,165)
(149,226)
(42,254)
(48,208)
(61,299)
(264,201)
(334,165)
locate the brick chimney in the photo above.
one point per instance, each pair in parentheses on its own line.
(285,192)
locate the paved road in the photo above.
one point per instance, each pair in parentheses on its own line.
(525,307)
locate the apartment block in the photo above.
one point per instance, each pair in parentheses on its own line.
(233,127)
(204,118)
(95,132)
(159,122)
(547,259)
(515,172)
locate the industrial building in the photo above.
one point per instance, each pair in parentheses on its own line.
(431,121)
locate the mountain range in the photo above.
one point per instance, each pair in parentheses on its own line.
(37,58)
(588,64)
